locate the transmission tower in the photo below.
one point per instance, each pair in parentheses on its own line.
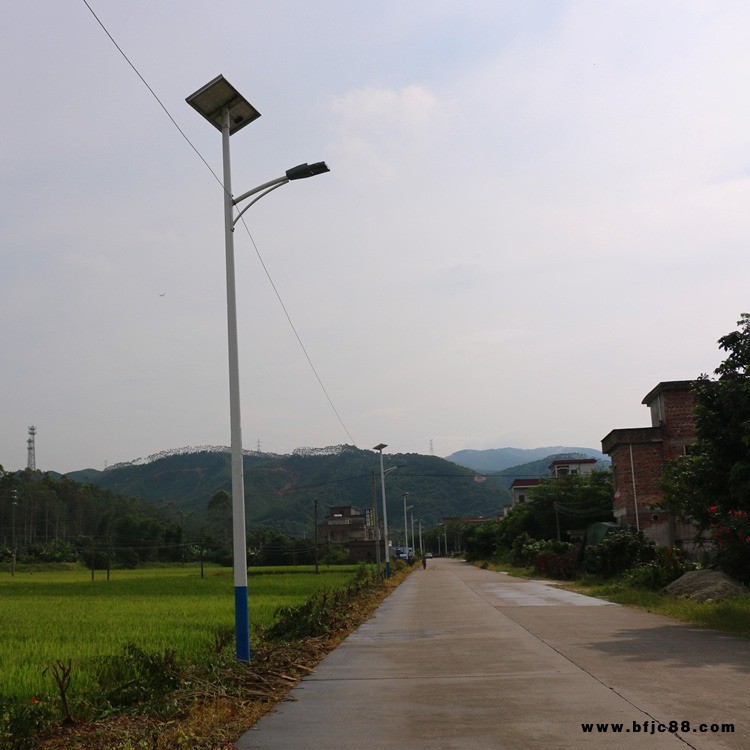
(432,451)
(31,449)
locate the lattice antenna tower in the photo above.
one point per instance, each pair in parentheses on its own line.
(31,449)
(432,448)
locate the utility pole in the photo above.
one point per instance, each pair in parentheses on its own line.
(376,522)
(315,502)
(14,501)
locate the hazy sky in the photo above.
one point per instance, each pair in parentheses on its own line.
(536,211)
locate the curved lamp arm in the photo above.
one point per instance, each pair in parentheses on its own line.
(300,172)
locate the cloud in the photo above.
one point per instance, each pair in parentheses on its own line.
(378,126)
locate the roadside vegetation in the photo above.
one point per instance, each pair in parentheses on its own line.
(146,660)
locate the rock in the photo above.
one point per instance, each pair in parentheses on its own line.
(705,585)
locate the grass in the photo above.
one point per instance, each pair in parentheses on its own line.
(50,615)
(219,698)
(730,615)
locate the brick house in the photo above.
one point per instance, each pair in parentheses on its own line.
(638,458)
(344,523)
(350,527)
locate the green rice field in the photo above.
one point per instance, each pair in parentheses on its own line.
(46,616)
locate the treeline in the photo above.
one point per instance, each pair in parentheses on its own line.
(49,519)
(54,519)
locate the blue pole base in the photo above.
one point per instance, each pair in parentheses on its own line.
(242,623)
(388,569)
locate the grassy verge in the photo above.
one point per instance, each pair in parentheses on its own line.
(728,615)
(159,700)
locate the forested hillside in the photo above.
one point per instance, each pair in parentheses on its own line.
(280,489)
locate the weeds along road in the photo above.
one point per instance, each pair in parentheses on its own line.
(459,657)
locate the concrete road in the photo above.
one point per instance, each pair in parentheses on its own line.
(459,657)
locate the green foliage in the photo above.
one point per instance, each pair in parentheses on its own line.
(572,501)
(526,549)
(55,519)
(711,486)
(323,613)
(667,566)
(137,675)
(21,718)
(619,551)
(481,541)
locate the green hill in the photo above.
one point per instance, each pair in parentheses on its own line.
(280,489)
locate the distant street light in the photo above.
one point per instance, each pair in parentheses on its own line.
(228,111)
(413,540)
(406,528)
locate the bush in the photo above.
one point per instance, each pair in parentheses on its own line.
(667,566)
(620,551)
(136,676)
(21,718)
(556,565)
(324,612)
(526,549)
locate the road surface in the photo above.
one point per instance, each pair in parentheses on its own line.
(458,657)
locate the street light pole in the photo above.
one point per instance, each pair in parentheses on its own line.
(379,447)
(413,540)
(226,109)
(14,502)
(406,529)
(376,523)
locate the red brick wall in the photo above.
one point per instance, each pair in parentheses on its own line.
(647,466)
(679,422)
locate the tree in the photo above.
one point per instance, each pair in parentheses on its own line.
(569,502)
(711,486)
(220,514)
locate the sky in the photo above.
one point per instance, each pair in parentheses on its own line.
(536,211)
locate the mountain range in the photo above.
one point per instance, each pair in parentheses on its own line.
(280,489)
(499,459)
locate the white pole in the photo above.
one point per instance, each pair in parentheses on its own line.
(421,548)
(635,494)
(385,520)
(413,543)
(239,539)
(406,531)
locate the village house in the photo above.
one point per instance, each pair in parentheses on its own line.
(350,527)
(563,466)
(519,489)
(638,457)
